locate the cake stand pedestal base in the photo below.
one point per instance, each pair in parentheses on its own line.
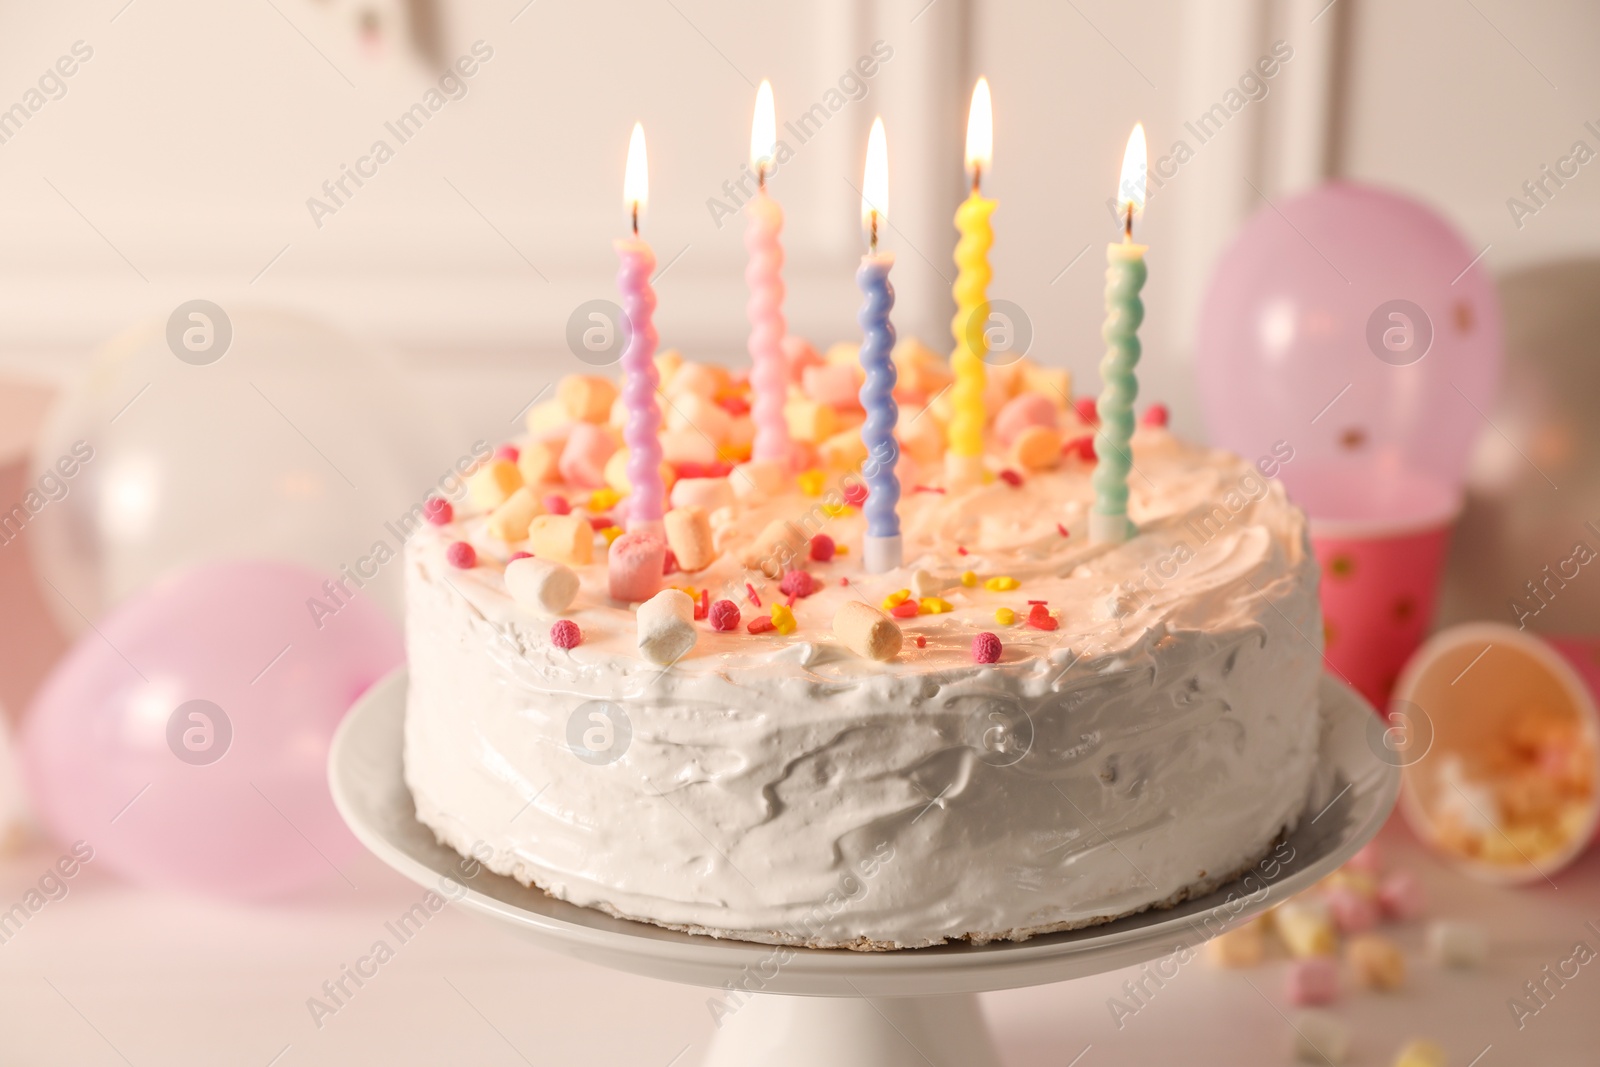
(778,1031)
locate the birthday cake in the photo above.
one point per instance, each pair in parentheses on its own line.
(726,724)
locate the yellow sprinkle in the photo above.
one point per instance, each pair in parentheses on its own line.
(812,481)
(969,578)
(1001,584)
(603,499)
(688,590)
(932,605)
(834,511)
(841,550)
(783,618)
(897,597)
(611,533)
(1004,616)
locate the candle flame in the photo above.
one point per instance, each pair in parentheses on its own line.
(1130,191)
(763,130)
(980,130)
(636,181)
(875,182)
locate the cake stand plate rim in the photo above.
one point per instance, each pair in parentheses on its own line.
(366,778)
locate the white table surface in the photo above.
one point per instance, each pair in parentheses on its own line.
(113,974)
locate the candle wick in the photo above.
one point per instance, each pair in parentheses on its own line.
(977,173)
(636,218)
(1127,225)
(761,175)
(873,240)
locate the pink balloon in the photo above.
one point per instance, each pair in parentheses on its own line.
(1353,325)
(186,739)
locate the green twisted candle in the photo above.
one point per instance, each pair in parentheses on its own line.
(1125,275)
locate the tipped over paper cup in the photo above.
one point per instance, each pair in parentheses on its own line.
(1506,785)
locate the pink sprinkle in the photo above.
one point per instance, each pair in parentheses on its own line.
(669,563)
(798,583)
(927,488)
(565,634)
(600,522)
(906,609)
(761,624)
(519,555)
(556,504)
(985,648)
(754,598)
(724,616)
(922,641)
(704,607)
(822,547)
(437,510)
(1039,618)
(961,550)
(790,602)
(1155,415)
(843,580)
(855,494)
(1061,528)
(1010,477)
(734,405)
(1400,896)
(1081,447)
(1038,601)
(462,555)
(1087,410)
(510,452)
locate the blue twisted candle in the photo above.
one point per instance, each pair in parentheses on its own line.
(882,548)
(1119,387)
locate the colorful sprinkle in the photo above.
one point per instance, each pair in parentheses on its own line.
(922,641)
(760,625)
(702,609)
(1039,618)
(841,550)
(669,563)
(437,510)
(1061,528)
(754,598)
(855,494)
(783,619)
(1005,616)
(812,481)
(519,555)
(798,583)
(927,488)
(986,648)
(969,579)
(611,533)
(932,605)
(1001,583)
(837,511)
(961,550)
(1032,602)
(1087,410)
(1010,477)
(565,634)
(822,548)
(906,609)
(843,580)
(508,452)
(462,555)
(724,616)
(1155,415)
(556,504)
(604,499)
(600,522)
(895,598)
(1081,447)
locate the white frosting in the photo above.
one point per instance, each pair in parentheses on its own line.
(780,788)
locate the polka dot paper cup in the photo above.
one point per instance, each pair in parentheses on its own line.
(1380,585)
(1501,755)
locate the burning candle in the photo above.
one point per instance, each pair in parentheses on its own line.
(769,379)
(882,549)
(639,376)
(1119,385)
(964,460)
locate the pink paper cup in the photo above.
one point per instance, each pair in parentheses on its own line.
(1380,585)
(1502,753)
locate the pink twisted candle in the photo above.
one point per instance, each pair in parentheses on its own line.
(769,376)
(642,434)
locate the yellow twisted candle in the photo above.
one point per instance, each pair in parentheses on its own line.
(964,461)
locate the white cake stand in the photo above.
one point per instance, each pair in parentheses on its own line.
(815,1007)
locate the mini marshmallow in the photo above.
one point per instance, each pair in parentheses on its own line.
(541,585)
(1312,981)
(635,564)
(1353,912)
(1320,1038)
(547,419)
(923,439)
(666,626)
(1400,896)
(843,451)
(1021,413)
(492,483)
(837,385)
(1457,944)
(866,631)
(701,414)
(667,362)
(798,354)
(562,539)
(1368,860)
(688,445)
(697,379)
(843,354)
(1420,1054)
(707,493)
(1053,383)
(583,460)
(1037,448)
(689,536)
(926,583)
(586,398)
(1376,961)
(538,462)
(757,479)
(919,369)
(509,522)
(776,548)
(1306,928)
(1242,946)
(811,421)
